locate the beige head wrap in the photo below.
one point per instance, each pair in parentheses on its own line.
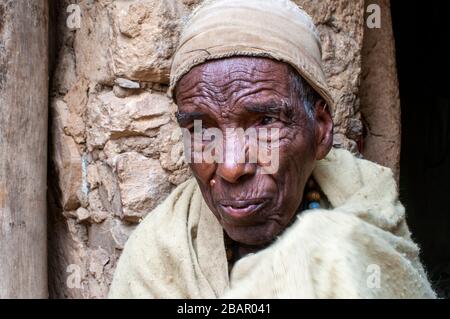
(276,29)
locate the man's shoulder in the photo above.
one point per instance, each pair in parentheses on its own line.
(360,186)
(167,217)
(342,155)
(150,247)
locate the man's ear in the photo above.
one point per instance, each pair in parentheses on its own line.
(323,129)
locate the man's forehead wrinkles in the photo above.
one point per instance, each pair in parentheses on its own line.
(196,100)
(237,87)
(231,102)
(257,92)
(201,102)
(240,73)
(248,69)
(199,91)
(222,75)
(223,80)
(209,92)
(224,88)
(245,75)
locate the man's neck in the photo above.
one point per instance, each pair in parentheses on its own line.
(243,250)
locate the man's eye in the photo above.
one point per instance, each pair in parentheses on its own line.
(266,120)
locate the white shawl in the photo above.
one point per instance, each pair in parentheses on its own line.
(360,248)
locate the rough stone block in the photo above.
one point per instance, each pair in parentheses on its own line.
(145,37)
(143,184)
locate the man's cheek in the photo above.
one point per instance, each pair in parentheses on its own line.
(290,140)
(203,171)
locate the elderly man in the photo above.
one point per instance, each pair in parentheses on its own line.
(318,224)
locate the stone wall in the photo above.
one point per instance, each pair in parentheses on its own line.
(379,93)
(115,147)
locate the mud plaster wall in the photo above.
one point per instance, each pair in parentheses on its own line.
(115,147)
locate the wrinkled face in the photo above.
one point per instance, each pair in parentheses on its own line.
(252,205)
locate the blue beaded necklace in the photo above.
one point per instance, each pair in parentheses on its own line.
(312,196)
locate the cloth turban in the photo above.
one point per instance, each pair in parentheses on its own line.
(276,29)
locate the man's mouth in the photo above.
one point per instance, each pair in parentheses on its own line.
(238,209)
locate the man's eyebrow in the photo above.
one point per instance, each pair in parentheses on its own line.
(188,117)
(266,107)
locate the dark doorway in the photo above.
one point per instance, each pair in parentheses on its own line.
(421,34)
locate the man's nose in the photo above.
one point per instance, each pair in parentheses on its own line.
(235,165)
(233,172)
